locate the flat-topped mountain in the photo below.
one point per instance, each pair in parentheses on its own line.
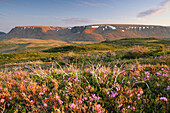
(96,33)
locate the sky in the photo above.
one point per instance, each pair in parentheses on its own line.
(69,13)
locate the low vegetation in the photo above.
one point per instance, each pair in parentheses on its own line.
(106,77)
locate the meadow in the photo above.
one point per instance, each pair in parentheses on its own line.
(127,75)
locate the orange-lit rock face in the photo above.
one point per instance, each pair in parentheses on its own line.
(95,33)
(44,28)
(89,30)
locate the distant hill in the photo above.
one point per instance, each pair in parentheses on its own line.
(2,33)
(95,33)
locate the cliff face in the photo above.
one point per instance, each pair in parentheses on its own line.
(94,33)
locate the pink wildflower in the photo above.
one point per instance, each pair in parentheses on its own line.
(57,97)
(128,106)
(2,100)
(133,107)
(138,95)
(45,104)
(50,93)
(131,95)
(138,98)
(141,92)
(41,93)
(72,105)
(163,98)
(60,101)
(31,101)
(147,73)
(120,105)
(123,109)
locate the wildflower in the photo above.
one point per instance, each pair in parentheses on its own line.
(57,97)
(2,100)
(80,102)
(123,109)
(128,82)
(31,101)
(168,88)
(91,99)
(85,98)
(108,92)
(158,85)
(163,98)
(158,74)
(147,73)
(128,106)
(50,93)
(120,105)
(60,101)
(45,104)
(41,93)
(91,72)
(141,92)
(98,108)
(131,95)
(93,95)
(118,88)
(165,75)
(138,95)
(72,105)
(98,98)
(133,107)
(10,98)
(138,98)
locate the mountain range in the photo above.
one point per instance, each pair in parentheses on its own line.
(94,33)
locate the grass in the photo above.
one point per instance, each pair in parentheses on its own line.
(113,76)
(28,45)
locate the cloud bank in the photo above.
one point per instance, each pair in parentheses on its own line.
(161,8)
(73,21)
(92,4)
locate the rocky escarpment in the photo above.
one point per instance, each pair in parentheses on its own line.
(94,33)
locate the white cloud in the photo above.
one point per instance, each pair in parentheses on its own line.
(161,8)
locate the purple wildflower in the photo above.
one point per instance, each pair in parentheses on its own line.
(168,88)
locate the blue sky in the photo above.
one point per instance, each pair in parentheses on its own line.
(82,12)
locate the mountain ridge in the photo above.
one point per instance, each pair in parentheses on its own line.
(95,32)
